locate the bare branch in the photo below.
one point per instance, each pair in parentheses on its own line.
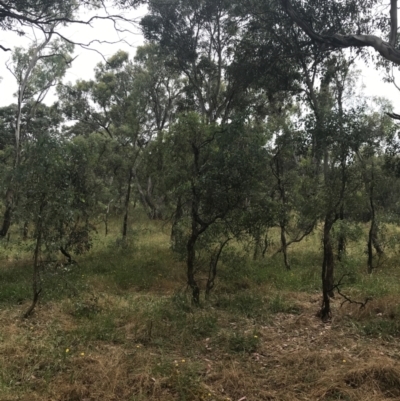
(393,115)
(6,49)
(346,298)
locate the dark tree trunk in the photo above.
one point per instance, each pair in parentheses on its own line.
(36,269)
(7,214)
(342,237)
(328,267)
(191,256)
(212,273)
(25,231)
(127,200)
(67,255)
(175,237)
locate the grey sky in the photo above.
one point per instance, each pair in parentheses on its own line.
(86,60)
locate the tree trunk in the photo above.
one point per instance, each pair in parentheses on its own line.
(36,273)
(191,256)
(328,266)
(67,255)
(7,213)
(342,237)
(106,214)
(127,199)
(175,235)
(373,242)
(212,273)
(284,246)
(373,231)
(25,231)
(152,209)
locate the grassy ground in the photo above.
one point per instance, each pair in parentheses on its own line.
(119,325)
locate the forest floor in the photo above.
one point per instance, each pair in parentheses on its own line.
(119,325)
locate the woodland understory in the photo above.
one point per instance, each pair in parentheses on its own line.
(228,181)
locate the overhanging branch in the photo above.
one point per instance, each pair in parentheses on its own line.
(393,23)
(335,41)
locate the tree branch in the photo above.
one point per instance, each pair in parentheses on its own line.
(335,41)
(393,23)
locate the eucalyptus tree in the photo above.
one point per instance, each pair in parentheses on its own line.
(109,106)
(293,188)
(161,88)
(58,200)
(36,70)
(380,186)
(214,171)
(130,102)
(201,38)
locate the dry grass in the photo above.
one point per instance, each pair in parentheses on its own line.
(295,356)
(125,334)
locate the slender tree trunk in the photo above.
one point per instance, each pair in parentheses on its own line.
(328,266)
(212,273)
(25,231)
(7,213)
(279,169)
(36,268)
(127,199)
(284,246)
(67,255)
(175,237)
(265,247)
(147,200)
(375,240)
(106,214)
(373,231)
(191,256)
(342,237)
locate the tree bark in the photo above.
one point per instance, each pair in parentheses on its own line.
(127,200)
(7,215)
(212,273)
(328,267)
(373,231)
(147,200)
(191,256)
(342,237)
(36,269)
